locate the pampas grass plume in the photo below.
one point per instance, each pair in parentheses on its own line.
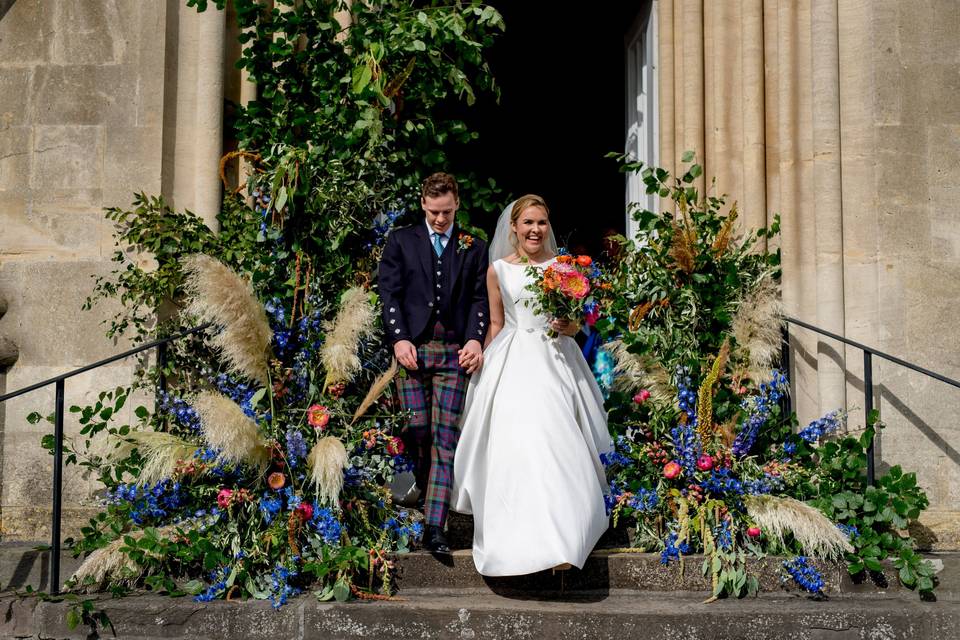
(819,537)
(161,451)
(327,460)
(110,562)
(376,389)
(219,296)
(756,328)
(634,372)
(354,320)
(227,428)
(104,563)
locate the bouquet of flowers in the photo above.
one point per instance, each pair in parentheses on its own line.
(569,289)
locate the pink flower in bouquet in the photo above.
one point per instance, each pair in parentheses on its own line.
(704,463)
(753,532)
(671,470)
(592,316)
(641,397)
(563,268)
(394,446)
(318,417)
(575,285)
(305,511)
(224,498)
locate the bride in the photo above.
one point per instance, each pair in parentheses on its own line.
(527,464)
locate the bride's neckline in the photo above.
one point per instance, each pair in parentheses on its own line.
(528,263)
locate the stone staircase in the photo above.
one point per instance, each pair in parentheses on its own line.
(617,595)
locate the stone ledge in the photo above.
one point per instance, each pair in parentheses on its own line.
(675,615)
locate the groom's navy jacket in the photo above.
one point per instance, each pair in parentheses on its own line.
(418,288)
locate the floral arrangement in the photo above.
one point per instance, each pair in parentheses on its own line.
(571,288)
(261,480)
(706,461)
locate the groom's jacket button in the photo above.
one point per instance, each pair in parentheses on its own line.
(438,273)
(396,330)
(392,310)
(430,304)
(479,314)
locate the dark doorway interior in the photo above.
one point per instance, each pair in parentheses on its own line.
(561,73)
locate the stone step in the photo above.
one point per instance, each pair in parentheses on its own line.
(619,616)
(609,570)
(23,564)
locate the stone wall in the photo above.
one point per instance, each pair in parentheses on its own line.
(97,100)
(841,116)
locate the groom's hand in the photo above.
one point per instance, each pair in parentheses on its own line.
(406,353)
(471,356)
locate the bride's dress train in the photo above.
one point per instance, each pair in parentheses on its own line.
(527,464)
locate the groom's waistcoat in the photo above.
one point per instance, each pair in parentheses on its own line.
(418,288)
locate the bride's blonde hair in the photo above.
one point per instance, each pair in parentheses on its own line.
(523,203)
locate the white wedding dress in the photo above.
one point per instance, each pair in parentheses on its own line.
(527,464)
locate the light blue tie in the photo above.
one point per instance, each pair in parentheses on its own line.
(437,244)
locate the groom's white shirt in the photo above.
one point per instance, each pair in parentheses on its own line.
(444,237)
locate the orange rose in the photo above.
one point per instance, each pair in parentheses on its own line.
(584,261)
(551,279)
(564,259)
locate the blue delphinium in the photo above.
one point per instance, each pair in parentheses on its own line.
(686,396)
(270,505)
(240,392)
(686,445)
(721,482)
(644,500)
(722,535)
(610,499)
(819,428)
(218,584)
(804,574)
(672,550)
(849,530)
(180,410)
(618,455)
(326,524)
(761,486)
(759,408)
(280,589)
(148,504)
(296,447)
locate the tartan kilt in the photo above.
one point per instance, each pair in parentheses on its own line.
(434,395)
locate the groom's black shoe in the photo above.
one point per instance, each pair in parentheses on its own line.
(435,541)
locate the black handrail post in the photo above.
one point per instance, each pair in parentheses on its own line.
(868,409)
(57,490)
(787,402)
(161,366)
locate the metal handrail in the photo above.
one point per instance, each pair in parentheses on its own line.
(59,384)
(868,353)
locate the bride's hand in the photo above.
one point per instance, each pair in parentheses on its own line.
(565,327)
(471,356)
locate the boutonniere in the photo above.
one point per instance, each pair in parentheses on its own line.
(464,241)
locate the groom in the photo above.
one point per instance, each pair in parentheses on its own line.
(432,282)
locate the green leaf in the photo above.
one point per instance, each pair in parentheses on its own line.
(341,590)
(258,396)
(873,564)
(194,587)
(73,618)
(141,412)
(34,418)
(361,77)
(687,156)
